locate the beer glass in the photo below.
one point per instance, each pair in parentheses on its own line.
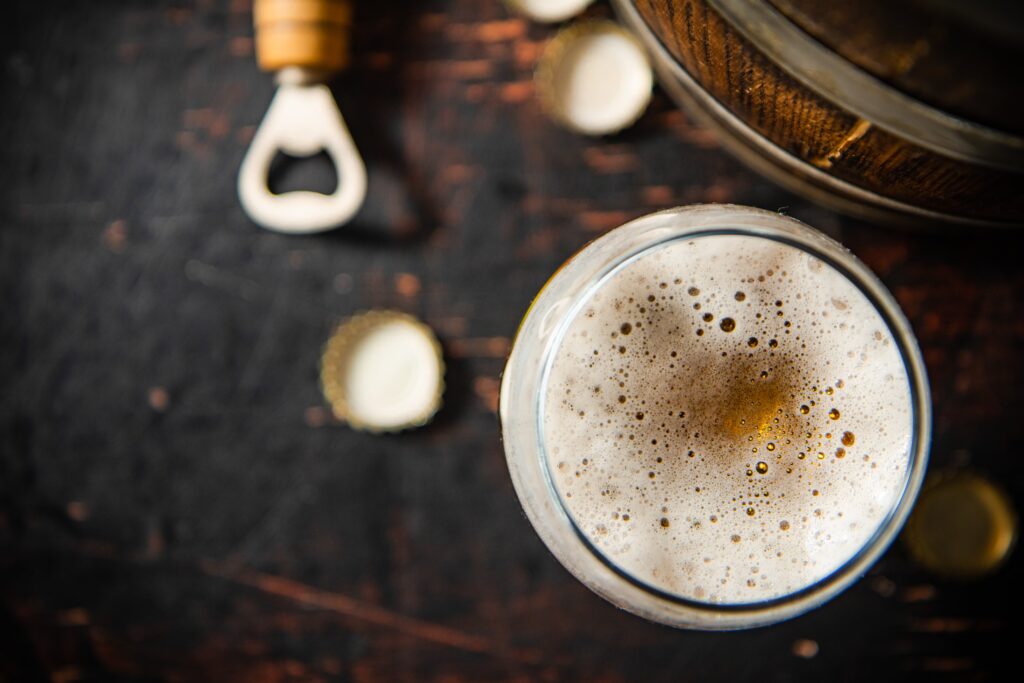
(686,582)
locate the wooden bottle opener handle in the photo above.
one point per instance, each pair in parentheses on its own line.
(309,34)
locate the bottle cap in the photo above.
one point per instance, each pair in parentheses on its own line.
(549,11)
(383,371)
(594,78)
(963,526)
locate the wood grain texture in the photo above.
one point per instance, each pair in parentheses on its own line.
(819,132)
(176,503)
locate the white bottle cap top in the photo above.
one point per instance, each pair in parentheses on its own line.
(549,10)
(594,78)
(383,371)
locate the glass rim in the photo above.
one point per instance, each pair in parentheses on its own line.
(721,220)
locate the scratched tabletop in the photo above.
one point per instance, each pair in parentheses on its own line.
(178,504)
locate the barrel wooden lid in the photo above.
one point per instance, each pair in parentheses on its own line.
(963,57)
(815,121)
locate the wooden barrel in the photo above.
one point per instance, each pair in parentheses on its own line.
(899,111)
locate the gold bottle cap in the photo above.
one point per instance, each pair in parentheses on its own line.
(549,11)
(963,526)
(383,371)
(594,78)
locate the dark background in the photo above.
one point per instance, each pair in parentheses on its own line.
(176,502)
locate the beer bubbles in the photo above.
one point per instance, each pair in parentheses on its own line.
(727,419)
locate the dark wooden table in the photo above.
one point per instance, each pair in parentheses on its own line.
(175,501)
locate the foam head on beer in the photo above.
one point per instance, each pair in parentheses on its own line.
(727,419)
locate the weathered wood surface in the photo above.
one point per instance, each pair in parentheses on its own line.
(175,503)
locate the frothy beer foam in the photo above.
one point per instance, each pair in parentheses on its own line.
(728,419)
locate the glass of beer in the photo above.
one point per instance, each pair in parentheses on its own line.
(715,417)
